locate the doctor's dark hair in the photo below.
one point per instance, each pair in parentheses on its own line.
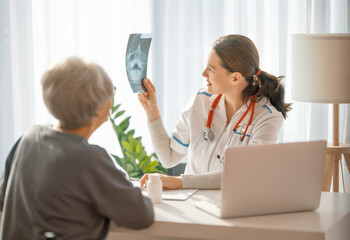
(239,54)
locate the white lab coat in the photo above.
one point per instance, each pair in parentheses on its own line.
(187,137)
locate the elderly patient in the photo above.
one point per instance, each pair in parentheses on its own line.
(58,181)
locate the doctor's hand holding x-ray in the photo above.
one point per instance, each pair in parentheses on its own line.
(148,101)
(241,105)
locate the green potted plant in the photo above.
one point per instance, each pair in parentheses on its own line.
(135,159)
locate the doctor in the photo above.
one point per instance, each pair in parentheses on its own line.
(242,105)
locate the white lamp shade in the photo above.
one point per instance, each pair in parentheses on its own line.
(321,68)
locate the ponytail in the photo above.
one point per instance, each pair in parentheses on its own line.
(267,85)
(239,54)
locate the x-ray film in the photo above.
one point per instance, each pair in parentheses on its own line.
(136,60)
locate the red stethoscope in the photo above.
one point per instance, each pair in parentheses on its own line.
(208,134)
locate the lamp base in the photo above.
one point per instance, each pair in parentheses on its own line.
(331,168)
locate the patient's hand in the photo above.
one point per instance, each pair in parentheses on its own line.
(169,182)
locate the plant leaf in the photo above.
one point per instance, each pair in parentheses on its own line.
(132,142)
(138,148)
(142,154)
(150,167)
(118,160)
(127,146)
(124,124)
(144,162)
(129,167)
(135,159)
(135,175)
(115,108)
(115,128)
(130,156)
(119,114)
(131,133)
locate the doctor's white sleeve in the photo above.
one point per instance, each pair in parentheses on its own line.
(161,143)
(169,158)
(210,180)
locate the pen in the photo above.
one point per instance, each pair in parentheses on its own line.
(221,159)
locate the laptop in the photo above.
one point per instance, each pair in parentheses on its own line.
(269,179)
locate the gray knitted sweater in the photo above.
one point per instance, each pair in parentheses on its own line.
(59,182)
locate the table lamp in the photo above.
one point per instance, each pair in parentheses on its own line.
(321,74)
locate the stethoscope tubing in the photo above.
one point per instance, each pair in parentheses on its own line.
(208,134)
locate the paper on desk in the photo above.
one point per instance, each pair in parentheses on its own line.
(180,194)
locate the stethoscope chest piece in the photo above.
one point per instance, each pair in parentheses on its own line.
(208,134)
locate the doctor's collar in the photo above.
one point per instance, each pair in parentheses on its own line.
(222,101)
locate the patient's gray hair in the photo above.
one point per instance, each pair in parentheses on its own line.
(74,90)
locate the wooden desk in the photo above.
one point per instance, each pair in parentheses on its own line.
(181,220)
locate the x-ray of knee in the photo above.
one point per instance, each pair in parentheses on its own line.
(136,60)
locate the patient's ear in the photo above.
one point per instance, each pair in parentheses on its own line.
(103,111)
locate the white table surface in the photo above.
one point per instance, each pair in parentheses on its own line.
(182,220)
